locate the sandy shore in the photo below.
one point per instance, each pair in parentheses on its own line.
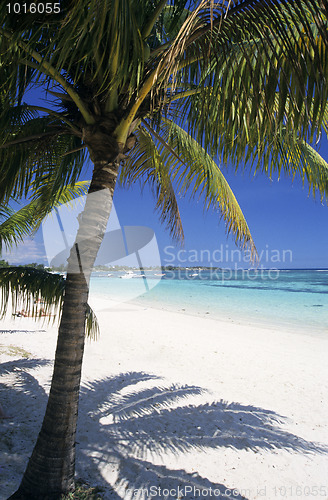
(202,408)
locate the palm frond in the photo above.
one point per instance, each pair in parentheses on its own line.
(193,170)
(253,50)
(146,165)
(15,225)
(101,36)
(92,329)
(38,294)
(36,154)
(286,152)
(248,147)
(28,288)
(302,161)
(5,212)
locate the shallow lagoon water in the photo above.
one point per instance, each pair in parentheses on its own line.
(297,299)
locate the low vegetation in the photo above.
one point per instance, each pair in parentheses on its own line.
(13,350)
(83,492)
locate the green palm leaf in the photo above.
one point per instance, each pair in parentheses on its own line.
(36,154)
(39,294)
(230,94)
(15,225)
(145,164)
(193,170)
(312,168)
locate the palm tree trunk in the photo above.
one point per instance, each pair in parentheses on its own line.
(50,470)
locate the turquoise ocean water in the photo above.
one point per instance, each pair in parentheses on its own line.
(293,299)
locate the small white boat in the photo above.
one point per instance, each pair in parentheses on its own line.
(128,275)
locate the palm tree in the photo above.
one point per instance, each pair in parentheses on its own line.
(152,90)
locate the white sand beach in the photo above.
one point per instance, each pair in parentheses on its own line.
(191,407)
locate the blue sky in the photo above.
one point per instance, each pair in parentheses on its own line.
(288,226)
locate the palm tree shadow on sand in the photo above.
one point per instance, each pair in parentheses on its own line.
(134,417)
(138,417)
